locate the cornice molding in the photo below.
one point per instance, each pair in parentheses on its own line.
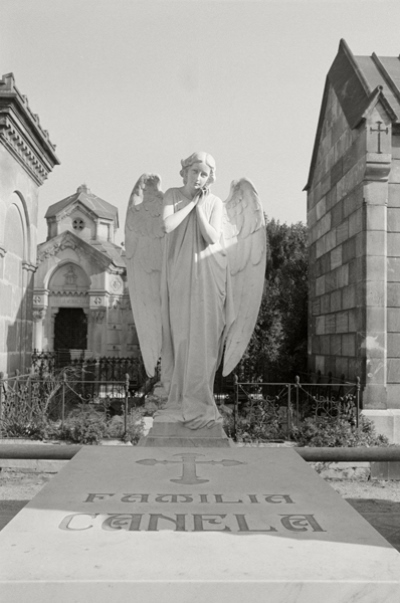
(21,149)
(21,132)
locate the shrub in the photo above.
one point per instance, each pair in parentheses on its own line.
(322,431)
(85,425)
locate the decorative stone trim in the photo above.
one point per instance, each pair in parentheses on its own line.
(98,315)
(22,134)
(19,147)
(65,292)
(56,247)
(28,267)
(3,252)
(378,166)
(39,314)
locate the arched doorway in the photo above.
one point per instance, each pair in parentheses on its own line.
(70,330)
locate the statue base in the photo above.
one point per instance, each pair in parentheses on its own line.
(176,434)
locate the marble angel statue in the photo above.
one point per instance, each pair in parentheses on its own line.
(195,270)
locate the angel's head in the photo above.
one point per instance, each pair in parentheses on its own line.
(199,157)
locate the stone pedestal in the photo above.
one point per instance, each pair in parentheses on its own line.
(176,434)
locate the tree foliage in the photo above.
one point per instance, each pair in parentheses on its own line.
(278,348)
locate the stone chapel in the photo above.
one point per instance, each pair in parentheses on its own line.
(353,203)
(27,156)
(81,303)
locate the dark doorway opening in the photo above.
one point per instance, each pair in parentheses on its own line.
(70,329)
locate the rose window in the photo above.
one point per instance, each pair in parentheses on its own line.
(78,224)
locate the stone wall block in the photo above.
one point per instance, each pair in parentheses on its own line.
(349,250)
(393,269)
(316,345)
(376,371)
(320,208)
(393,345)
(348,345)
(337,171)
(375,294)
(331,281)
(342,277)
(376,217)
(342,322)
(376,243)
(393,295)
(325,305)
(330,323)
(360,243)
(393,219)
(311,217)
(325,345)
(320,364)
(376,193)
(315,307)
(336,257)
(348,297)
(337,214)
(336,345)
(342,232)
(342,366)
(325,184)
(330,239)
(393,370)
(320,287)
(393,320)
(376,268)
(393,244)
(336,301)
(320,325)
(355,222)
(320,247)
(394,195)
(374,346)
(331,197)
(375,320)
(394,175)
(355,320)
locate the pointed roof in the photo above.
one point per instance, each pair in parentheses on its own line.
(359,83)
(83,195)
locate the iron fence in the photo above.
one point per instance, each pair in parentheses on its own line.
(288,404)
(26,400)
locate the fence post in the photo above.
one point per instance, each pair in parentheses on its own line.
(235,406)
(289,405)
(63,400)
(1,402)
(358,401)
(297,386)
(126,403)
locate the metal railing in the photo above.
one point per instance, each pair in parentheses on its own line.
(26,398)
(290,403)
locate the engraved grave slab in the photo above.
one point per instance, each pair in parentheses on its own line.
(185,524)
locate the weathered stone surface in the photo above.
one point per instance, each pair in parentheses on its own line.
(234,524)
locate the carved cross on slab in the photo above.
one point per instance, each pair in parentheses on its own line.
(188,460)
(380,131)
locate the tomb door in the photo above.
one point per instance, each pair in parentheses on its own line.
(70,329)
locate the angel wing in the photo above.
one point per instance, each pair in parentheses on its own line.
(245,240)
(144,248)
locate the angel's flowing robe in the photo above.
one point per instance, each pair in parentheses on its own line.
(196,306)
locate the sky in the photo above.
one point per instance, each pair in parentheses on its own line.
(126,87)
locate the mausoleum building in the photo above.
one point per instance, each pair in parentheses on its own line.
(353,201)
(81,301)
(27,156)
